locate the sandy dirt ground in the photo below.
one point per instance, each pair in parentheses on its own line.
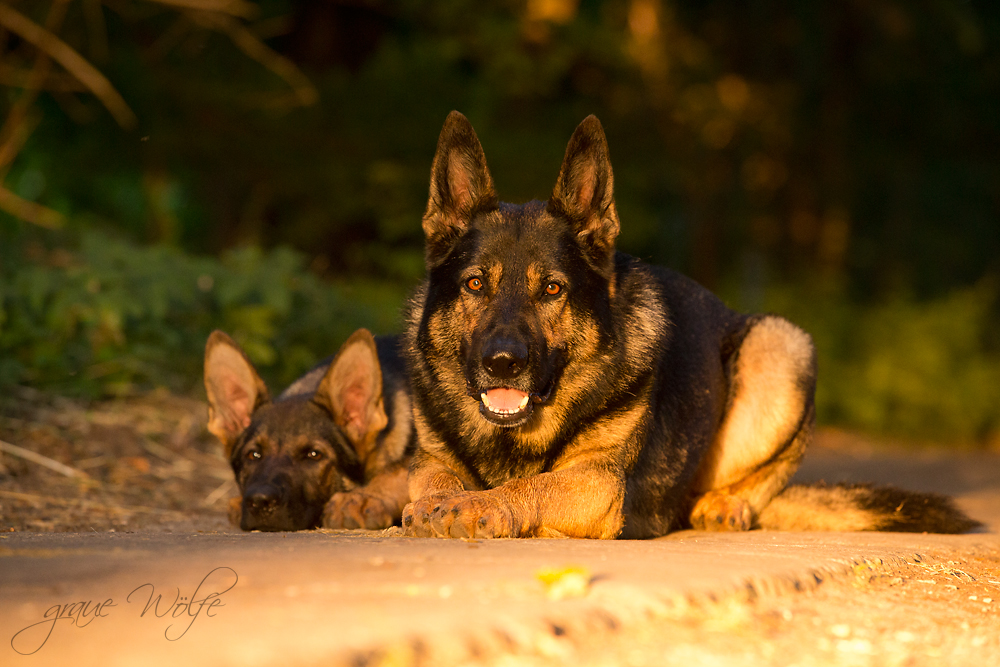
(144,463)
(941,609)
(147,465)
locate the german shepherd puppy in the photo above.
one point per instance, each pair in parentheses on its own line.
(333,449)
(562,388)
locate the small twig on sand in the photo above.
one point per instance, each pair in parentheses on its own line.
(86,504)
(29,455)
(944,569)
(219,493)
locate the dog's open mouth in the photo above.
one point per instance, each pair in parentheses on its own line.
(505,402)
(508,407)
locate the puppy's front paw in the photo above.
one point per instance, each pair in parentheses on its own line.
(718,511)
(357,509)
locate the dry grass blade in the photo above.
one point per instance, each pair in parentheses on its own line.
(219,493)
(30,211)
(17,128)
(34,457)
(252,46)
(13,77)
(72,61)
(20,122)
(93,16)
(239,8)
(119,509)
(938,568)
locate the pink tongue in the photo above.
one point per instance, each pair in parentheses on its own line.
(505,399)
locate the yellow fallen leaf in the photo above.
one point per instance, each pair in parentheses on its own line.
(571,581)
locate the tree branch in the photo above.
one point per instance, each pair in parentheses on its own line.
(72,61)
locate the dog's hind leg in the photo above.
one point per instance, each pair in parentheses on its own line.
(766,427)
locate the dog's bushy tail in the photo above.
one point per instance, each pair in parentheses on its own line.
(842,507)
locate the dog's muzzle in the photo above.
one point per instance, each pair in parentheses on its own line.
(505,358)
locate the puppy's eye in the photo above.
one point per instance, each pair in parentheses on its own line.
(253,455)
(553,289)
(314,454)
(475,284)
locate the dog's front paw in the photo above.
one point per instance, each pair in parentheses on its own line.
(721,511)
(468,514)
(417,515)
(356,509)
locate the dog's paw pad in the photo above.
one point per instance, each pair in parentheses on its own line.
(420,518)
(722,512)
(467,515)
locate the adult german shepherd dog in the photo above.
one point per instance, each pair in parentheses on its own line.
(333,449)
(562,388)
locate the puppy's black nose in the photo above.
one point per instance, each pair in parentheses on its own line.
(505,358)
(262,501)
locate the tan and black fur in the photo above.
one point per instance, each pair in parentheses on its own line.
(562,388)
(332,450)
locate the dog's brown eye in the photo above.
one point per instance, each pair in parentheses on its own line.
(474,284)
(553,288)
(313,454)
(253,455)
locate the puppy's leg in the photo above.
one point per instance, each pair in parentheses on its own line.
(234,511)
(765,430)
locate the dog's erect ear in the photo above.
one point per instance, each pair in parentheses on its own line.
(461,185)
(234,389)
(584,192)
(352,390)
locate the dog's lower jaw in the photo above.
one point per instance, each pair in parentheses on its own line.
(279,519)
(511,417)
(506,420)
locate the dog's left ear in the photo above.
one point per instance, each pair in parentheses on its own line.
(584,193)
(233,388)
(352,390)
(461,185)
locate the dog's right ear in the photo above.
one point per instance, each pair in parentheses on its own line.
(584,193)
(351,390)
(461,186)
(234,389)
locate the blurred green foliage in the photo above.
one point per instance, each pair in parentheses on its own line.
(927,370)
(768,148)
(113,317)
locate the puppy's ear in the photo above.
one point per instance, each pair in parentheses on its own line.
(461,186)
(352,390)
(584,193)
(234,389)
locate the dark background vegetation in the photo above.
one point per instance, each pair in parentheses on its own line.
(265,168)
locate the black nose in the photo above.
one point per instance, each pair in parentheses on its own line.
(505,358)
(260,501)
